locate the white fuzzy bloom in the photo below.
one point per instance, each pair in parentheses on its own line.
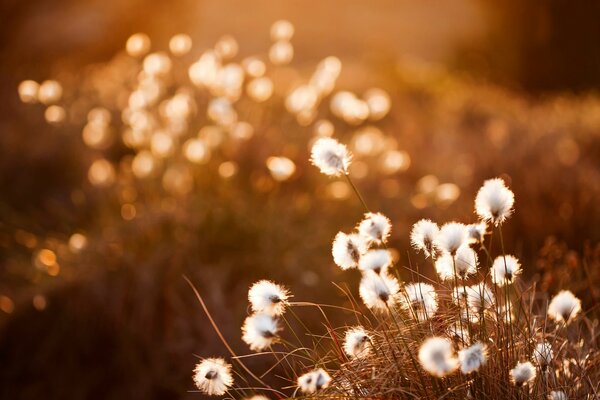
(436,356)
(464,263)
(494,202)
(375,260)
(260,331)
(505,269)
(313,381)
(421,299)
(357,342)
(522,373)
(476,232)
(213,376)
(347,249)
(480,297)
(423,235)
(331,157)
(268,297)
(564,306)
(557,395)
(543,354)
(378,291)
(472,358)
(452,235)
(459,332)
(375,227)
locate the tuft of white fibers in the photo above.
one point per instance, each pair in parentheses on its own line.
(347,249)
(213,376)
(377,261)
(472,358)
(476,232)
(378,291)
(522,373)
(331,157)
(260,331)
(564,306)
(494,202)
(375,227)
(437,357)
(452,235)
(313,381)
(257,397)
(421,299)
(422,236)
(459,332)
(557,395)
(357,342)
(505,269)
(480,297)
(543,354)
(464,262)
(268,297)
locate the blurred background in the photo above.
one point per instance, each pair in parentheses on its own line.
(128,162)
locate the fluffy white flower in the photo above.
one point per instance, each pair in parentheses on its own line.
(313,381)
(505,269)
(557,395)
(213,376)
(268,297)
(494,202)
(480,297)
(452,235)
(260,331)
(472,358)
(436,356)
(464,262)
(421,299)
(347,249)
(476,232)
(357,342)
(522,373)
(378,291)
(331,157)
(423,235)
(543,354)
(564,306)
(459,332)
(375,227)
(375,260)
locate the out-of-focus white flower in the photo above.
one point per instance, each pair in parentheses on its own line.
(557,395)
(357,342)
(347,249)
(268,297)
(459,332)
(213,376)
(436,356)
(260,331)
(375,227)
(505,269)
(452,235)
(543,354)
(378,291)
(472,358)
(257,397)
(462,264)
(522,373)
(421,299)
(480,297)
(375,260)
(331,156)
(423,235)
(313,381)
(476,232)
(494,202)
(564,306)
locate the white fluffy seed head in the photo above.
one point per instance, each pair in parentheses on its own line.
(564,307)
(437,357)
(378,291)
(331,157)
(420,299)
(357,342)
(557,395)
(268,297)
(472,358)
(347,249)
(212,376)
(313,381)
(494,202)
(480,297)
(476,232)
(375,227)
(522,373)
(260,331)
(543,354)
(422,236)
(464,263)
(505,269)
(451,236)
(377,261)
